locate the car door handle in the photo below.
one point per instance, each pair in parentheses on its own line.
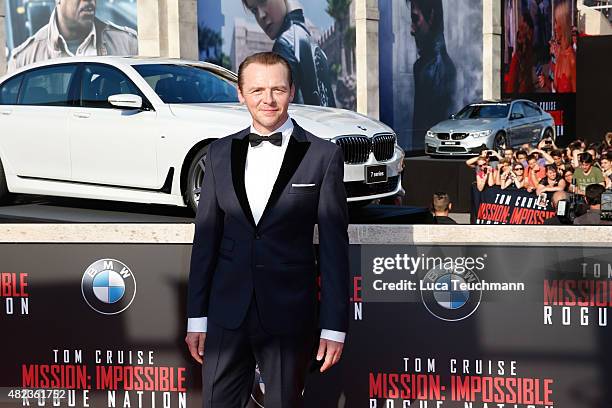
(83,115)
(6,112)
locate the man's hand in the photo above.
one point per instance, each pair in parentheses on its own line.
(331,350)
(195,343)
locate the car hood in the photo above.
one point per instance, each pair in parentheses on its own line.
(466,125)
(325,123)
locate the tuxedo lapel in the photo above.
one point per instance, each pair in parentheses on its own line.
(240,146)
(296,150)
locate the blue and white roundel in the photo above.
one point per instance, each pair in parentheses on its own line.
(449,301)
(451,298)
(108,286)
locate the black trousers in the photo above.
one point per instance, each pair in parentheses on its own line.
(229,364)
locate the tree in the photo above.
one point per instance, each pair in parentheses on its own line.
(340,11)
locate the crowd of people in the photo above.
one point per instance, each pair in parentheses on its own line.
(580,171)
(546,168)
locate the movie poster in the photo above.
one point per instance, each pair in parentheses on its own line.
(317,37)
(539,57)
(41,30)
(462,326)
(430,63)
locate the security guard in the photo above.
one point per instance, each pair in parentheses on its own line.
(73,30)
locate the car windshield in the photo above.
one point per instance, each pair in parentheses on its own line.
(187,84)
(478,111)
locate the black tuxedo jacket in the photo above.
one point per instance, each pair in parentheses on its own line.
(233,259)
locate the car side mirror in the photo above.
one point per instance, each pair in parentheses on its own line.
(125,101)
(516,115)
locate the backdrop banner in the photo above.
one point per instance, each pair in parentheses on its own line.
(102,325)
(511,206)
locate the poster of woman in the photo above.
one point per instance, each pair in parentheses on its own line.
(539,50)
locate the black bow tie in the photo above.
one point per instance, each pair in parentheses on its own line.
(276,139)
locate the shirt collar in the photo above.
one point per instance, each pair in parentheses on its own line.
(286,129)
(59,43)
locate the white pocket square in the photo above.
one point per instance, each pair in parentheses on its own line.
(303,185)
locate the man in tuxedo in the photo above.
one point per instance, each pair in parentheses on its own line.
(253,292)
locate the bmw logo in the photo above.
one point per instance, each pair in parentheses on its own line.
(444,295)
(108,286)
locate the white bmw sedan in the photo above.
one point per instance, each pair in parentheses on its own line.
(137,130)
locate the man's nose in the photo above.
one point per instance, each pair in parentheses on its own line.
(269,97)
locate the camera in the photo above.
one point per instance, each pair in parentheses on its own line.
(606,205)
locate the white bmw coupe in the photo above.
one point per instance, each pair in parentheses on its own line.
(137,130)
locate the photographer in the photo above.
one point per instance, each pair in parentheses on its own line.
(484,171)
(502,172)
(558,219)
(515,179)
(593,199)
(545,147)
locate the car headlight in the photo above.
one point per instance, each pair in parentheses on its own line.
(431,134)
(480,134)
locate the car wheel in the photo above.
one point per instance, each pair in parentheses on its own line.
(5,195)
(548,133)
(195,176)
(500,142)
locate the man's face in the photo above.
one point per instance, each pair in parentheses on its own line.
(270,15)
(551,173)
(266,93)
(605,164)
(558,161)
(421,25)
(508,154)
(77,14)
(586,166)
(532,163)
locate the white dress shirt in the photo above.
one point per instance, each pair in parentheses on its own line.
(262,166)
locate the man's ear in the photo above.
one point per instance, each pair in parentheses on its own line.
(450,206)
(240,96)
(292,93)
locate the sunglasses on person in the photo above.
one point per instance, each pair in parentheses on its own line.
(519,168)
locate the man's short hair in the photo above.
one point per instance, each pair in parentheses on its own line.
(440,201)
(267,58)
(519,152)
(556,153)
(593,193)
(532,156)
(586,157)
(558,196)
(428,7)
